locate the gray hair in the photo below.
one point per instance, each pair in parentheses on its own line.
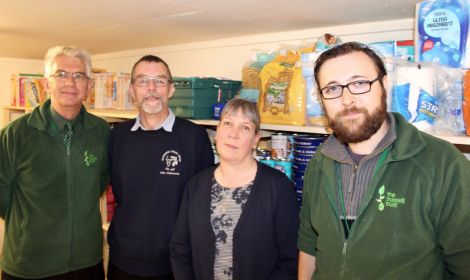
(246,107)
(71,51)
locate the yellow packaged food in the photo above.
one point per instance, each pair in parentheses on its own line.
(282,93)
(250,77)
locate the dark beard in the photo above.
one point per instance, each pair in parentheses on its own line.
(372,122)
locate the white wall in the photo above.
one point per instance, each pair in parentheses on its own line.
(225,58)
(219,58)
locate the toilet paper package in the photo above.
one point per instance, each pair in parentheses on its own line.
(442,32)
(414,94)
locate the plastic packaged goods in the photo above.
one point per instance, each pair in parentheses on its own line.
(103,90)
(13,91)
(249,94)
(121,97)
(314,111)
(284,165)
(449,88)
(250,79)
(327,41)
(251,69)
(282,92)
(250,75)
(26,90)
(466,102)
(414,93)
(442,32)
(405,50)
(387,50)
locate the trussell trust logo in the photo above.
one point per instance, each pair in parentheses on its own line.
(388,199)
(89,159)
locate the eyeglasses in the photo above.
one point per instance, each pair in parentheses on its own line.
(356,87)
(144,81)
(76,76)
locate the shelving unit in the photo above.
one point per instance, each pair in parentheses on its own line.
(118,115)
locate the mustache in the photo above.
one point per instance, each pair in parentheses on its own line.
(352,110)
(152,95)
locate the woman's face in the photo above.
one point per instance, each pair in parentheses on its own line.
(236,137)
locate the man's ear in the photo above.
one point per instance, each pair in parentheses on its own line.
(45,83)
(172,90)
(90,86)
(385,81)
(132,94)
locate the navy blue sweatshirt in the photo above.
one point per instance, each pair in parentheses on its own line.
(149,170)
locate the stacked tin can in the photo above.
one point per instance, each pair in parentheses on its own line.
(281,153)
(305,146)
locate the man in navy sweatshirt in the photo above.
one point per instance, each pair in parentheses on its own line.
(151,157)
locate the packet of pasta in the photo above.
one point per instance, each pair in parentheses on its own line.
(282,92)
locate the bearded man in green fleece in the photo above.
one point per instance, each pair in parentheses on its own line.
(381,199)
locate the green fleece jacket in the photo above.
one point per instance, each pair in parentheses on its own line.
(48,199)
(413,222)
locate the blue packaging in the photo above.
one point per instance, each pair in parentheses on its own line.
(285,166)
(249,94)
(405,50)
(315,113)
(426,110)
(268,161)
(414,94)
(217,110)
(442,32)
(387,50)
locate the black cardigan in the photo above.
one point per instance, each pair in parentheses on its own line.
(264,245)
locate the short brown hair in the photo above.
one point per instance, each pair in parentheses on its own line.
(247,108)
(345,49)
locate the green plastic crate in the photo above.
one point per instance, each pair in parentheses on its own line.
(194,97)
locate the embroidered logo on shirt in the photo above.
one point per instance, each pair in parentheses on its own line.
(170,161)
(89,159)
(388,199)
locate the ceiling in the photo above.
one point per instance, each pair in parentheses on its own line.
(29,28)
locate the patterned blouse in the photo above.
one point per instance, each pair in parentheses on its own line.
(226,207)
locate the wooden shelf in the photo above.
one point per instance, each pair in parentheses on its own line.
(16,108)
(118,114)
(459,140)
(297,129)
(129,114)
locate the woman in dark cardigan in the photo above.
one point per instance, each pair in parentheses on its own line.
(239,219)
